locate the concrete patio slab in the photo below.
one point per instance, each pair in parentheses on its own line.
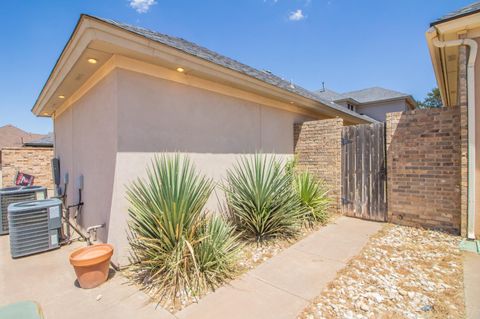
(282,286)
(471,274)
(49,279)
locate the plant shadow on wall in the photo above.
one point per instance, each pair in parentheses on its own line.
(179,251)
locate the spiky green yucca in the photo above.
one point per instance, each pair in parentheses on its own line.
(261,200)
(176,248)
(313,196)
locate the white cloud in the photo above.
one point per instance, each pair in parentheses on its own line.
(142,6)
(296,15)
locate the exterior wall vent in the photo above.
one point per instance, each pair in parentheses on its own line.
(12,195)
(34,226)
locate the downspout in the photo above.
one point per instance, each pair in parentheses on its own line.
(471,125)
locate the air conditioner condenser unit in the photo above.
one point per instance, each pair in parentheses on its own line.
(34,226)
(14,195)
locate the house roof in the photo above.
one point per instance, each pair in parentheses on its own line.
(12,136)
(44,141)
(465,11)
(106,38)
(214,57)
(329,94)
(374,94)
(369,95)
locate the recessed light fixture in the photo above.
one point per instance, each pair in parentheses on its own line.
(45,113)
(61,97)
(291,102)
(92,61)
(180,70)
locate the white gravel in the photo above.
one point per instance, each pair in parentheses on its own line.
(403,272)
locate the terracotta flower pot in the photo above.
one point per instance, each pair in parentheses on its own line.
(91,264)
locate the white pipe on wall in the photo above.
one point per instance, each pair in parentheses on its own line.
(471,124)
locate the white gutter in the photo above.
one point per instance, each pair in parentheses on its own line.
(471,125)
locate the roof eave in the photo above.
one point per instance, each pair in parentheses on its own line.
(82,25)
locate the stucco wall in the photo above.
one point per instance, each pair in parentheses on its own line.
(85,139)
(379,110)
(113,132)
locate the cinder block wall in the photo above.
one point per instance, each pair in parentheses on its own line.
(318,150)
(424,168)
(35,161)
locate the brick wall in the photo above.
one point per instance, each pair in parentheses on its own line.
(424,168)
(35,161)
(318,150)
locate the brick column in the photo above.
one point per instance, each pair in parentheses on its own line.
(424,168)
(318,149)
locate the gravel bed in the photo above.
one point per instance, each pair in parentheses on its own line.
(402,272)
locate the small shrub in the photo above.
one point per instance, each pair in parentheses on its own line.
(176,248)
(261,200)
(313,196)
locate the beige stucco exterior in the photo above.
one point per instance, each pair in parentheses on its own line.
(111,134)
(111,117)
(378,110)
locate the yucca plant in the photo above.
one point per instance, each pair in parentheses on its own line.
(176,248)
(261,200)
(313,196)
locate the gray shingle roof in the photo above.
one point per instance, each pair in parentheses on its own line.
(373,94)
(329,94)
(470,9)
(46,141)
(211,56)
(368,95)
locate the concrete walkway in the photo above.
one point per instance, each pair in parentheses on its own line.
(471,275)
(282,286)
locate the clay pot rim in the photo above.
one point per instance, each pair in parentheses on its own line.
(87,262)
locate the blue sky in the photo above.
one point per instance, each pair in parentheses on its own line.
(347,44)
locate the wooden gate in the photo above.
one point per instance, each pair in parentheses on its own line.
(364,171)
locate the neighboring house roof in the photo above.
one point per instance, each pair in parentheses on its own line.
(45,141)
(370,95)
(374,94)
(94,32)
(214,57)
(468,10)
(329,94)
(12,136)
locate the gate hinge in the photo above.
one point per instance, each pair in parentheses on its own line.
(346,141)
